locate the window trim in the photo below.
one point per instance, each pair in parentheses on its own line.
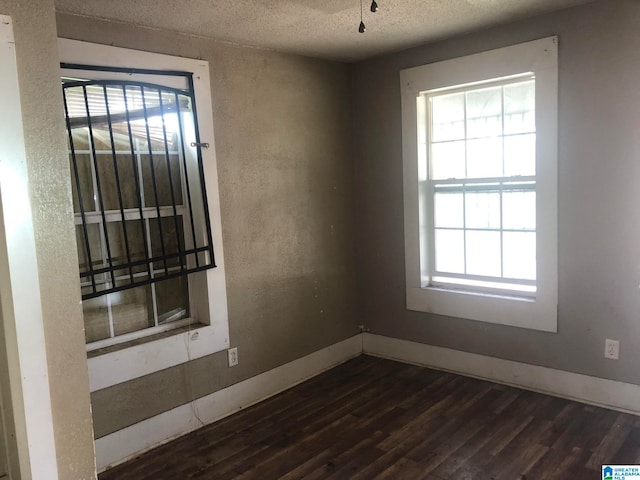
(108,369)
(539,313)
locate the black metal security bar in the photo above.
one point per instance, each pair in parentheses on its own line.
(139,217)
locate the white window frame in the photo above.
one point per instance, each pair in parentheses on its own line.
(212,333)
(539,57)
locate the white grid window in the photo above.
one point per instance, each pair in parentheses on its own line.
(481,182)
(479,141)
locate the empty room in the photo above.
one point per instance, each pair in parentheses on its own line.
(251,239)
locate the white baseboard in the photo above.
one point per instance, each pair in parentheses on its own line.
(610,394)
(131,441)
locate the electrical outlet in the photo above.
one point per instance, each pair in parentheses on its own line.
(233,356)
(611,349)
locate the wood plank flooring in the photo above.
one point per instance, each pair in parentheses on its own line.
(373,418)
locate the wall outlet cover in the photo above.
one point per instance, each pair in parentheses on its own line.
(612,349)
(233,356)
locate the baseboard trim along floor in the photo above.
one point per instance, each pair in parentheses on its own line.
(596,391)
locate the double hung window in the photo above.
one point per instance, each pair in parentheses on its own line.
(141,213)
(480,185)
(146,209)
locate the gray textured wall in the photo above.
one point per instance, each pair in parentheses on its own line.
(599,168)
(282,129)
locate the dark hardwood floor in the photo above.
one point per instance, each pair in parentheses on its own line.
(373,418)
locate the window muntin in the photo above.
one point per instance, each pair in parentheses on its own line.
(481,184)
(140,207)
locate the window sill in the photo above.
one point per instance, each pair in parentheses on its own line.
(499,296)
(96,352)
(123,362)
(538,313)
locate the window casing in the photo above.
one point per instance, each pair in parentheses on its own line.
(480,185)
(167,219)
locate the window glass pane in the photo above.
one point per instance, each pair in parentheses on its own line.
(519,210)
(127,173)
(447,117)
(172,298)
(484,158)
(156,182)
(100,143)
(98,257)
(483,253)
(85,177)
(105,175)
(132,310)
(519,107)
(448,210)
(482,210)
(164,234)
(484,112)
(447,160)
(520,155)
(93,233)
(449,251)
(520,255)
(116,232)
(96,319)
(122,144)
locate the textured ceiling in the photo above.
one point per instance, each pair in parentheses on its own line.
(318,28)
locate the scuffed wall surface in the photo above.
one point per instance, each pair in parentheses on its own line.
(282,131)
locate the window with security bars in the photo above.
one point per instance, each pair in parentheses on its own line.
(140,205)
(477,160)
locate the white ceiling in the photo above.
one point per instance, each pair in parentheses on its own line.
(318,28)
